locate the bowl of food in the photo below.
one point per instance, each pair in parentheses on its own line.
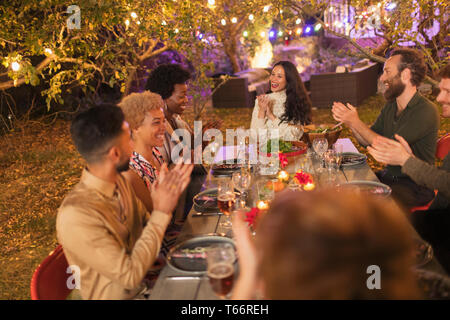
(326,130)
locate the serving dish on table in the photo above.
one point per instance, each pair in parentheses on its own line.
(368,187)
(285,148)
(328,131)
(206,201)
(190,255)
(352,159)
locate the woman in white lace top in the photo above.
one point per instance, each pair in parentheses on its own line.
(286,107)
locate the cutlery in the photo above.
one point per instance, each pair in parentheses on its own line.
(206,214)
(183,278)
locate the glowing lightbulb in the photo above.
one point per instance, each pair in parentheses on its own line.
(266,8)
(251,17)
(298,21)
(127,22)
(234,20)
(48,51)
(317,27)
(223,22)
(263,34)
(211,2)
(245,34)
(299,31)
(15,66)
(164,23)
(280,33)
(133,15)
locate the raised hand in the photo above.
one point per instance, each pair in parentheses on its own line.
(263,103)
(345,113)
(167,188)
(389,151)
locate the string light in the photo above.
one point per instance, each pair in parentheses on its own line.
(317,27)
(266,8)
(251,17)
(245,34)
(138,22)
(298,21)
(234,20)
(280,33)
(15,66)
(223,22)
(164,23)
(176,30)
(48,51)
(133,15)
(127,22)
(263,34)
(299,31)
(211,2)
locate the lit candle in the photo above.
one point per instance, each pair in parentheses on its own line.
(283,176)
(262,205)
(309,186)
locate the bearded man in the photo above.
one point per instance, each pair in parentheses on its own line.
(408,114)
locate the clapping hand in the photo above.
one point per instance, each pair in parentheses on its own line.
(166,190)
(345,113)
(389,151)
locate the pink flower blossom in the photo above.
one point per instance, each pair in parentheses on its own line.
(251,216)
(283,160)
(303,178)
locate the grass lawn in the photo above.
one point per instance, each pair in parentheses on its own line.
(39,165)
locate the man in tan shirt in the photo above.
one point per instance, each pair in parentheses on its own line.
(103,227)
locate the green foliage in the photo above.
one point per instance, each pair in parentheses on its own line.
(114,39)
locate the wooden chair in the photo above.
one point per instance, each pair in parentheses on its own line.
(442,148)
(49,281)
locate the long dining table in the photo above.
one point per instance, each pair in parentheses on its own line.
(174,284)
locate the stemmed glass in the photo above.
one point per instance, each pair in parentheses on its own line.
(338,148)
(331,161)
(320,146)
(220,260)
(241,180)
(226,198)
(209,154)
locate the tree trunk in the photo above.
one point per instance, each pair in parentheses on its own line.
(231,52)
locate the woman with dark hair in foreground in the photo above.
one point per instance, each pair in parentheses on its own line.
(326,245)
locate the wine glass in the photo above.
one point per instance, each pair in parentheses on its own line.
(220,260)
(330,158)
(320,145)
(339,149)
(209,155)
(241,180)
(226,198)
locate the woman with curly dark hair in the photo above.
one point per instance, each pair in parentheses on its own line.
(287,107)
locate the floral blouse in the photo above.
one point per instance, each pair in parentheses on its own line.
(144,168)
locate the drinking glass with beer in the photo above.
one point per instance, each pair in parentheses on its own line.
(226,198)
(220,259)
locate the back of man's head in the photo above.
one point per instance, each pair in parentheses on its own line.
(414,61)
(94,131)
(163,79)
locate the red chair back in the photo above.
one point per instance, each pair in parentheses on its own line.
(443,146)
(49,280)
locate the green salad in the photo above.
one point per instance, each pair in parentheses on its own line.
(283,146)
(323,130)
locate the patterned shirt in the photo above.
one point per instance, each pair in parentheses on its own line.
(145,169)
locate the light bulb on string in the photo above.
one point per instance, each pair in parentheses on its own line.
(223,22)
(133,15)
(15,66)
(298,21)
(251,17)
(234,20)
